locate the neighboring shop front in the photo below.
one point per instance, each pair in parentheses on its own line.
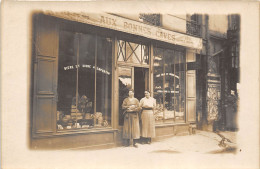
(84,66)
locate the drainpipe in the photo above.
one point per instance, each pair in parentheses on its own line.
(205,70)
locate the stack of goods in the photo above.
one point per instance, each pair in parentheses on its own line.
(66,118)
(99,119)
(105,123)
(75,114)
(88,116)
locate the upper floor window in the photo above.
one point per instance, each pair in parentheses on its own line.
(192,26)
(154,19)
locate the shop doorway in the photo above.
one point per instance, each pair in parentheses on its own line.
(140,81)
(136,78)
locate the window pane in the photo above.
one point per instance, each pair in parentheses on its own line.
(158,84)
(145,54)
(169,85)
(133,52)
(103,84)
(67,79)
(130,52)
(121,51)
(180,87)
(86,81)
(80,65)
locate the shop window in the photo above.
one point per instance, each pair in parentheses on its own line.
(129,52)
(84,81)
(169,86)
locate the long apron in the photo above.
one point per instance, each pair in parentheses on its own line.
(131,129)
(148,123)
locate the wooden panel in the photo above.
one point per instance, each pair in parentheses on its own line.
(46,37)
(191,96)
(191,88)
(161,131)
(181,130)
(191,109)
(190,56)
(45,76)
(75,141)
(44,115)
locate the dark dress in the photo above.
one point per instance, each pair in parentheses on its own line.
(131,129)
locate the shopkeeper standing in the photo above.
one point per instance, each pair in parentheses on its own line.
(131,129)
(148,121)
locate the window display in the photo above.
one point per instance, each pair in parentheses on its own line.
(169,87)
(84,81)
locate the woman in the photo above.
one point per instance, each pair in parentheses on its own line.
(148,121)
(131,129)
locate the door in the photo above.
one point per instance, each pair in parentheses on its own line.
(141,80)
(131,78)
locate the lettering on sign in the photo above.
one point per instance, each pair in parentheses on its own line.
(165,36)
(133,27)
(108,21)
(137,28)
(87,66)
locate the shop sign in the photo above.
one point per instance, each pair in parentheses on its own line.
(133,27)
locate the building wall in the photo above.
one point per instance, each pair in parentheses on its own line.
(218,23)
(23,69)
(132,16)
(174,22)
(171,22)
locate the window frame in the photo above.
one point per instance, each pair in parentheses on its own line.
(174,49)
(72,27)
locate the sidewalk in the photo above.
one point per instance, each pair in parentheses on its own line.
(174,152)
(201,142)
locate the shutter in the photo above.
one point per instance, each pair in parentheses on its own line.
(190,88)
(191,96)
(45,75)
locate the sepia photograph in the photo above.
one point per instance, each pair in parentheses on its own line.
(128,84)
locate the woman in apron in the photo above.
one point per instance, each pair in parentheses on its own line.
(148,121)
(131,129)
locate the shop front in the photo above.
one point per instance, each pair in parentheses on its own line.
(84,65)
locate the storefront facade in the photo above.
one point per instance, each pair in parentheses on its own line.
(83,67)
